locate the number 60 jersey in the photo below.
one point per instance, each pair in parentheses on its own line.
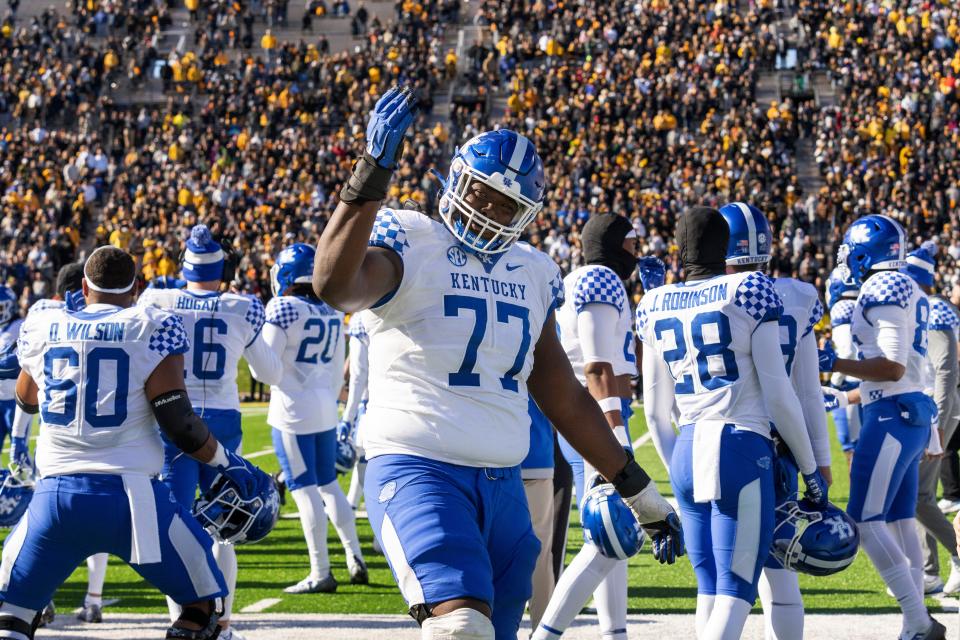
(451,348)
(703,330)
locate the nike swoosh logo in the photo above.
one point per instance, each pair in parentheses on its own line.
(513,267)
(887,419)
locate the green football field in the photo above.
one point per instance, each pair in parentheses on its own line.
(280,560)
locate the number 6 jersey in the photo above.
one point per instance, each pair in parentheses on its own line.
(703,330)
(451,348)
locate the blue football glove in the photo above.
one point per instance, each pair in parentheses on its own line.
(20,452)
(816,488)
(344,431)
(388,123)
(834,398)
(827,356)
(243,474)
(667,538)
(9,363)
(653,273)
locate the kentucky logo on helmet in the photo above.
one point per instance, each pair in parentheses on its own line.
(749,234)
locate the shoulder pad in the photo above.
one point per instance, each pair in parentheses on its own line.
(942,316)
(757,296)
(842,313)
(389,232)
(598,285)
(886,288)
(282,311)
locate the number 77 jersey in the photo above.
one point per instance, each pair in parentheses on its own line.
(703,330)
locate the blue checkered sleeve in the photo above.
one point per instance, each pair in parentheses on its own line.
(757,296)
(641,321)
(557,294)
(356,329)
(888,288)
(255,317)
(170,337)
(598,285)
(388,232)
(942,316)
(815,314)
(281,312)
(842,313)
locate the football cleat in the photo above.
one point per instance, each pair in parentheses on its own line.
(327,584)
(358,571)
(48,615)
(750,235)
(872,242)
(952,587)
(294,265)
(947,505)
(90,613)
(819,541)
(609,523)
(936,632)
(932,584)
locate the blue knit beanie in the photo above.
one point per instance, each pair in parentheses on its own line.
(203,259)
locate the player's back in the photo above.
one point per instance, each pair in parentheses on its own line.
(220,326)
(90,367)
(802,310)
(703,330)
(305,400)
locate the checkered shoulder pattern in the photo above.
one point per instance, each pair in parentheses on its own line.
(815,314)
(598,285)
(388,232)
(282,312)
(356,329)
(557,294)
(886,288)
(842,312)
(757,296)
(942,316)
(255,315)
(170,337)
(641,320)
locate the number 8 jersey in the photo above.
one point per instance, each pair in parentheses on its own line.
(452,346)
(703,330)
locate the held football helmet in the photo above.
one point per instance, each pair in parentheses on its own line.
(653,273)
(750,235)
(872,242)
(609,524)
(808,539)
(505,161)
(8,305)
(346,456)
(16,491)
(230,519)
(839,289)
(294,265)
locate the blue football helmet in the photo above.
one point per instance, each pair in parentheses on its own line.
(293,265)
(16,491)
(872,242)
(750,235)
(653,273)
(8,305)
(346,456)
(231,519)
(505,161)
(609,523)
(839,289)
(814,540)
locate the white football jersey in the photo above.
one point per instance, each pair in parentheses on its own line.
(596,284)
(841,317)
(305,401)
(943,317)
(220,326)
(703,330)
(898,291)
(452,347)
(8,338)
(801,312)
(90,367)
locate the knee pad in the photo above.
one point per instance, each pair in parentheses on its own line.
(209,629)
(460,624)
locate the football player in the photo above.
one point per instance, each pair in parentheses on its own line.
(841,299)
(889,327)
(749,250)
(102,379)
(462,329)
(303,413)
(222,327)
(706,345)
(10,323)
(349,428)
(595,324)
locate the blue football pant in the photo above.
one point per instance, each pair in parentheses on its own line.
(308,459)
(182,474)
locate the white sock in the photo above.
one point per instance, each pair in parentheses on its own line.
(782,604)
(313,519)
(226,557)
(727,620)
(704,609)
(344,520)
(892,565)
(174,609)
(905,532)
(356,485)
(576,583)
(96,574)
(610,598)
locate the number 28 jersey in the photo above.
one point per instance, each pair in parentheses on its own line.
(452,347)
(703,330)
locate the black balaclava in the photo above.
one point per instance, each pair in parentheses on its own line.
(602,239)
(703,235)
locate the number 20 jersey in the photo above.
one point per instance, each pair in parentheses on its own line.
(452,347)
(703,330)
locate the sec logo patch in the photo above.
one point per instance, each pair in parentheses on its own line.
(457,256)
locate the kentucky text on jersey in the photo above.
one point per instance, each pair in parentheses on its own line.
(488,285)
(198,304)
(677,300)
(103,331)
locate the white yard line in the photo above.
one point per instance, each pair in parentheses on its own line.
(258,454)
(642,440)
(260,605)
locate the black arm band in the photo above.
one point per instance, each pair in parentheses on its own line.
(631,480)
(368,182)
(27,408)
(174,413)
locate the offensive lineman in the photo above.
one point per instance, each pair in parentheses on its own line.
(221,328)
(102,379)
(595,326)
(889,327)
(706,342)
(303,413)
(463,327)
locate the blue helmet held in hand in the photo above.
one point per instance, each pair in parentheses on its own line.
(231,519)
(16,491)
(609,523)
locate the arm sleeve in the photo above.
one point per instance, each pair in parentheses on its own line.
(658,403)
(942,351)
(265,363)
(893,335)
(843,341)
(358,379)
(596,323)
(275,339)
(778,394)
(807,374)
(21,424)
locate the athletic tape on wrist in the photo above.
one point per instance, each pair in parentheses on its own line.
(609,404)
